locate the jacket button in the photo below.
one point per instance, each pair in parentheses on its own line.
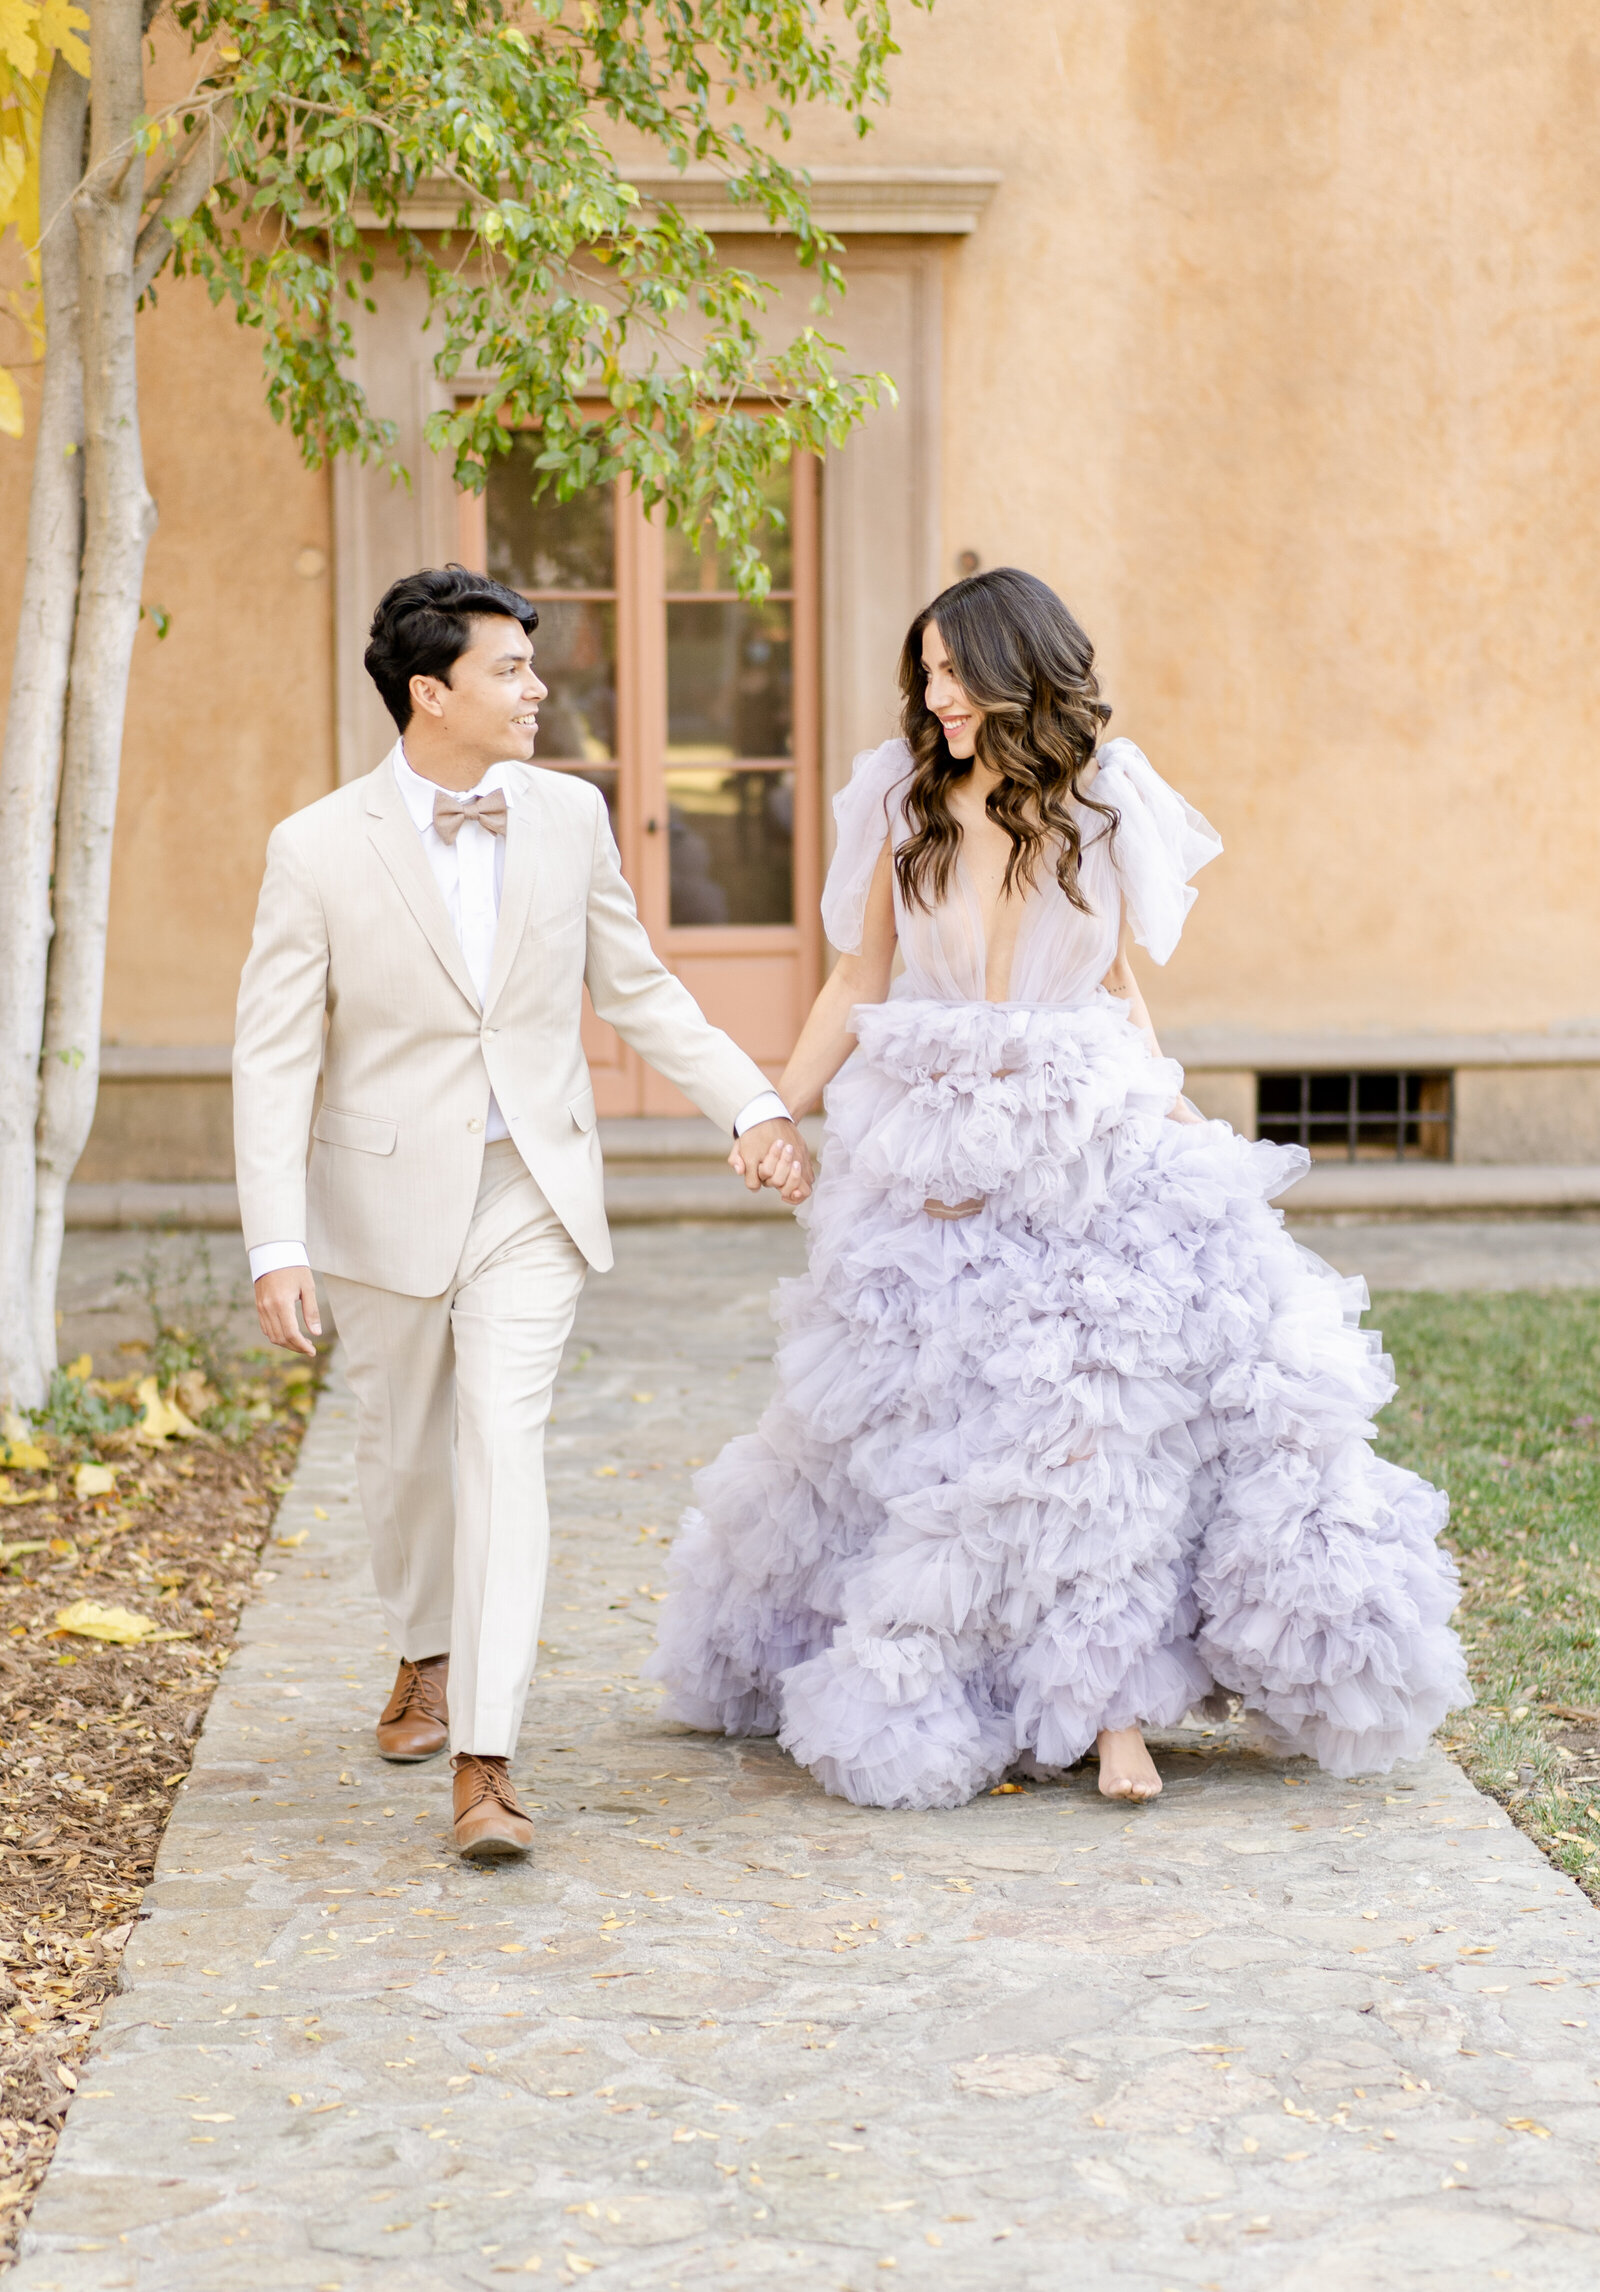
(474,1124)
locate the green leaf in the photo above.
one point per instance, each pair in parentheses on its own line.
(557,278)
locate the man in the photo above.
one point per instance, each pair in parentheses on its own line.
(422,944)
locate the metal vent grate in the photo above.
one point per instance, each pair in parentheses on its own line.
(1360,1116)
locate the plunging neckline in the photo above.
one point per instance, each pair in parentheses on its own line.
(1026,901)
(985,943)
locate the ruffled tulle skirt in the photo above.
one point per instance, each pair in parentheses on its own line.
(1069,1461)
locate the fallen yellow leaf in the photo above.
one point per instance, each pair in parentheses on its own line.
(10,1552)
(94,1480)
(317,1513)
(161,1420)
(45,1495)
(20,1451)
(89,1620)
(82,1368)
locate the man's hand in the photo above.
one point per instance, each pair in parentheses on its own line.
(278,1295)
(773,1154)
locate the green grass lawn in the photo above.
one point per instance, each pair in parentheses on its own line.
(1499,1403)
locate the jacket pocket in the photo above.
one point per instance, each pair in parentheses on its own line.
(581,1109)
(370,1133)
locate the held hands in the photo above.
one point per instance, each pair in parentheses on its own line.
(773,1154)
(277,1296)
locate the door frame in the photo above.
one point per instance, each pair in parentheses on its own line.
(623,1083)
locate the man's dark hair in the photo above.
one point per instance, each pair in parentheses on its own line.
(423,625)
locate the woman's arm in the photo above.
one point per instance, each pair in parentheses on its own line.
(825,1039)
(1120,981)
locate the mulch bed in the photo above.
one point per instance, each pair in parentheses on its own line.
(96,1735)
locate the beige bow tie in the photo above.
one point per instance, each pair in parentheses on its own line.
(449,812)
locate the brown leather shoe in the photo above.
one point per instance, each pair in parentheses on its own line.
(490,1823)
(416,1720)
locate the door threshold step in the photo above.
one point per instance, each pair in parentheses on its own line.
(667,1175)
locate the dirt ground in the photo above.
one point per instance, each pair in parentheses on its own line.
(96,1734)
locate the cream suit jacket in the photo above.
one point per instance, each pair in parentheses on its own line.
(355,975)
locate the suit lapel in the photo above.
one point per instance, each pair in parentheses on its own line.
(525,835)
(398,845)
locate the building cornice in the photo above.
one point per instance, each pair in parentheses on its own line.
(855,202)
(933,202)
(1249,1049)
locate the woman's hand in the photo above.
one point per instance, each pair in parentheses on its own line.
(1182,1111)
(773,1154)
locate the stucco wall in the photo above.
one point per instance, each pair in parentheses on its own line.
(230,717)
(1276,353)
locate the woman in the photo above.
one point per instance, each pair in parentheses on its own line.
(1068,1430)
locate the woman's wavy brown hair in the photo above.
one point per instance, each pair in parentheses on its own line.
(1022,658)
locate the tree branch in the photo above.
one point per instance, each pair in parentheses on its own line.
(187,185)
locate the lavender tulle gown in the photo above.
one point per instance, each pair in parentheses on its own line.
(1075,1459)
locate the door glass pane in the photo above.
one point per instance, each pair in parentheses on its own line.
(551,545)
(575,653)
(731,846)
(605,779)
(704,569)
(729,682)
(548,544)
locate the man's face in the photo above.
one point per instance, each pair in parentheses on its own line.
(489,710)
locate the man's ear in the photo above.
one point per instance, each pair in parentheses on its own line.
(425,691)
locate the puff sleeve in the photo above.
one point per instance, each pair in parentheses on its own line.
(861,812)
(1160,843)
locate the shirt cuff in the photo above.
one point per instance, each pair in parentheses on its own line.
(768,1107)
(274,1257)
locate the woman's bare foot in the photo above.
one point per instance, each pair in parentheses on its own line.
(1127,1770)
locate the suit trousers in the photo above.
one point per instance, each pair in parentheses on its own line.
(453,1394)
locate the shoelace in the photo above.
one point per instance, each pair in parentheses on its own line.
(490,1783)
(416,1687)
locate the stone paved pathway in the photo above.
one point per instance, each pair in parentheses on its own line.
(1274,2034)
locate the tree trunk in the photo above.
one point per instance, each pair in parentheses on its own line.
(30,765)
(119,520)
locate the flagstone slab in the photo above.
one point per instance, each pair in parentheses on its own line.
(1276,2033)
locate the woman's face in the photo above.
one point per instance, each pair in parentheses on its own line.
(960,716)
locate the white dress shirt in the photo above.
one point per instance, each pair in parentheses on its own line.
(470,873)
